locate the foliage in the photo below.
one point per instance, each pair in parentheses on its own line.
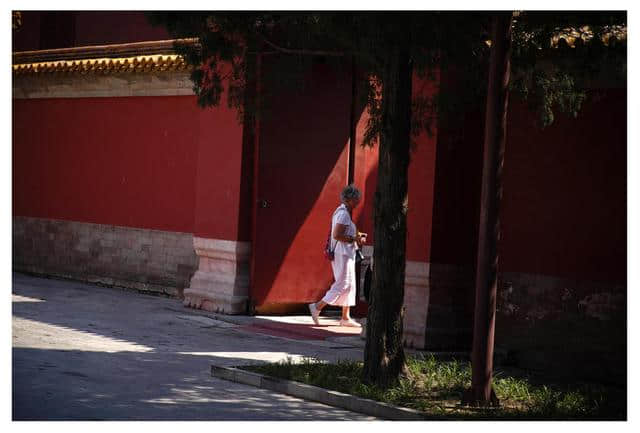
(436,386)
(16,20)
(546,71)
(558,58)
(295,38)
(222,42)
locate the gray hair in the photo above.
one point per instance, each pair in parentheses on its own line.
(349,192)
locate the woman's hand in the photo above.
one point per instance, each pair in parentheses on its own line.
(339,235)
(361,238)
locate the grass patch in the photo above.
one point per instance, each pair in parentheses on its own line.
(435,387)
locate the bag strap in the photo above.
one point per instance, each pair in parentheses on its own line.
(331,240)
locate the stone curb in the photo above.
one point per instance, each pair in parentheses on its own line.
(321,395)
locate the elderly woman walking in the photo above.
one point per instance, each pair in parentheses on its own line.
(344,238)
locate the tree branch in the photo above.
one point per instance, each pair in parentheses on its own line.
(301,51)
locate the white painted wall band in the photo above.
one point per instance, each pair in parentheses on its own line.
(102,86)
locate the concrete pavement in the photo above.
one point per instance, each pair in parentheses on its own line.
(85,352)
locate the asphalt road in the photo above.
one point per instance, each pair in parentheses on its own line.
(86,352)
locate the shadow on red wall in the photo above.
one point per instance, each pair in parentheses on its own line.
(564,204)
(303,163)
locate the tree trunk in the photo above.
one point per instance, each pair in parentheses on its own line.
(384,358)
(481,392)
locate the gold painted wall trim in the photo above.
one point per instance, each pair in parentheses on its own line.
(138,69)
(137,64)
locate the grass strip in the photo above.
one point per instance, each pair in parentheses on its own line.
(435,387)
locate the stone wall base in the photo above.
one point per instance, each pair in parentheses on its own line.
(416,301)
(532,297)
(450,319)
(547,323)
(141,259)
(433,322)
(221,282)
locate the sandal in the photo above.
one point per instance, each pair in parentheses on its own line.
(350,323)
(314,313)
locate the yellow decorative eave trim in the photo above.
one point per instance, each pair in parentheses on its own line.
(584,34)
(139,57)
(136,64)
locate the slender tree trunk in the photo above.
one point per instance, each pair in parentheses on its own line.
(384,358)
(481,392)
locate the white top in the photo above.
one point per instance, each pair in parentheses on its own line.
(341,216)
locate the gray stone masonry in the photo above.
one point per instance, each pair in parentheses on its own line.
(150,260)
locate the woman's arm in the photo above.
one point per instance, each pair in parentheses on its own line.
(339,233)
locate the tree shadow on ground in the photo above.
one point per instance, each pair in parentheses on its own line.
(86,352)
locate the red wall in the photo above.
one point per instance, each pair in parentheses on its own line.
(564,197)
(458,172)
(129,162)
(563,210)
(302,167)
(163,163)
(219,175)
(564,203)
(421,182)
(365,177)
(421,179)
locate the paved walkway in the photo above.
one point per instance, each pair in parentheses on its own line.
(85,352)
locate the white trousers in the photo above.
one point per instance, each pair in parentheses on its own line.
(343,291)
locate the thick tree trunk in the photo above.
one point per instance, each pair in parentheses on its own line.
(481,392)
(384,358)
